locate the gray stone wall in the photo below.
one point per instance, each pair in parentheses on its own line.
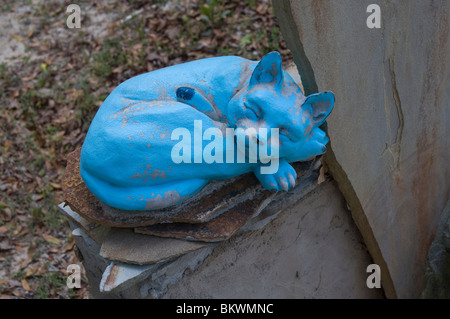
(390,126)
(311,250)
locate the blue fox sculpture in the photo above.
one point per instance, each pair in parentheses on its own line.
(160,137)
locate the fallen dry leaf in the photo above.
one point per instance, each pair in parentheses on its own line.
(68,246)
(5,244)
(321,177)
(29,257)
(17,230)
(25,285)
(17,37)
(37,198)
(56,185)
(53,250)
(19,248)
(6,214)
(323,170)
(23,233)
(51,239)
(26,262)
(32,270)
(7,145)
(42,270)
(30,32)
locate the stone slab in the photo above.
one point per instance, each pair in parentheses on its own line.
(227,224)
(120,280)
(120,276)
(125,246)
(220,228)
(87,251)
(390,126)
(96,231)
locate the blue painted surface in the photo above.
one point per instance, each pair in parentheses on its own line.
(126,157)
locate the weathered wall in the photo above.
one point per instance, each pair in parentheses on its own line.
(311,250)
(389,129)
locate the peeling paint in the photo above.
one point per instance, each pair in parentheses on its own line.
(168,198)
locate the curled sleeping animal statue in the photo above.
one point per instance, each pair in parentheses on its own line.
(160,137)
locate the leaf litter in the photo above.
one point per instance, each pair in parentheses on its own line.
(52,81)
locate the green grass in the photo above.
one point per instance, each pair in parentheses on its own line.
(48,283)
(110,57)
(8,79)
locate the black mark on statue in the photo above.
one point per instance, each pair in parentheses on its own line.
(185,93)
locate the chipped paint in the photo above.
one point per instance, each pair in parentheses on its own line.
(118,274)
(169,198)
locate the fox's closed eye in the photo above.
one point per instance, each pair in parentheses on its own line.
(251,114)
(284,132)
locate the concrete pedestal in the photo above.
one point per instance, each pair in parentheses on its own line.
(303,244)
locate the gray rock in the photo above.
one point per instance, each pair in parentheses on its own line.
(389,129)
(96,231)
(123,245)
(121,280)
(311,250)
(93,263)
(121,276)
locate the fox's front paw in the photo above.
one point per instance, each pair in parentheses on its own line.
(284,179)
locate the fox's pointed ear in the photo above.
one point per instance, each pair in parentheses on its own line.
(319,106)
(268,70)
